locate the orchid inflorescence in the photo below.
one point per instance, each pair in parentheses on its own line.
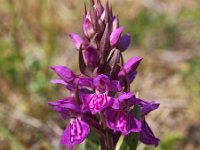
(100,96)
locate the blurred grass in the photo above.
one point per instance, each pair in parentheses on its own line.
(33,36)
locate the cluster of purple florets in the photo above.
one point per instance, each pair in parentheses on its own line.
(100,96)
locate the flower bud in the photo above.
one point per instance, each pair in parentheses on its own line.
(88,28)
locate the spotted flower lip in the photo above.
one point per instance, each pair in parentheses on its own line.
(147,136)
(97,102)
(122,121)
(76,131)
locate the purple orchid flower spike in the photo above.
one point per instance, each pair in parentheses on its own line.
(100,96)
(75,133)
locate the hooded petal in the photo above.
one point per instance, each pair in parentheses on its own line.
(75,133)
(124,42)
(97,102)
(147,136)
(65,73)
(130,66)
(122,121)
(115,36)
(124,101)
(77,40)
(101,82)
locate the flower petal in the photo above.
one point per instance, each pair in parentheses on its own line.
(75,133)
(65,73)
(146,107)
(124,42)
(122,121)
(66,107)
(77,40)
(115,36)
(97,102)
(147,136)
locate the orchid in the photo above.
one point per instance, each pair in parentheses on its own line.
(100,96)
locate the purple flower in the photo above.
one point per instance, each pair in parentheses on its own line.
(147,136)
(122,121)
(75,133)
(100,100)
(96,95)
(124,101)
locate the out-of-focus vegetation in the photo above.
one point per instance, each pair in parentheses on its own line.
(33,36)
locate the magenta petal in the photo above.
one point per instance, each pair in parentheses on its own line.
(147,136)
(115,36)
(66,107)
(75,133)
(130,66)
(65,73)
(77,40)
(97,102)
(122,121)
(124,42)
(146,106)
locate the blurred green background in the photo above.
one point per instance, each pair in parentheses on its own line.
(33,36)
